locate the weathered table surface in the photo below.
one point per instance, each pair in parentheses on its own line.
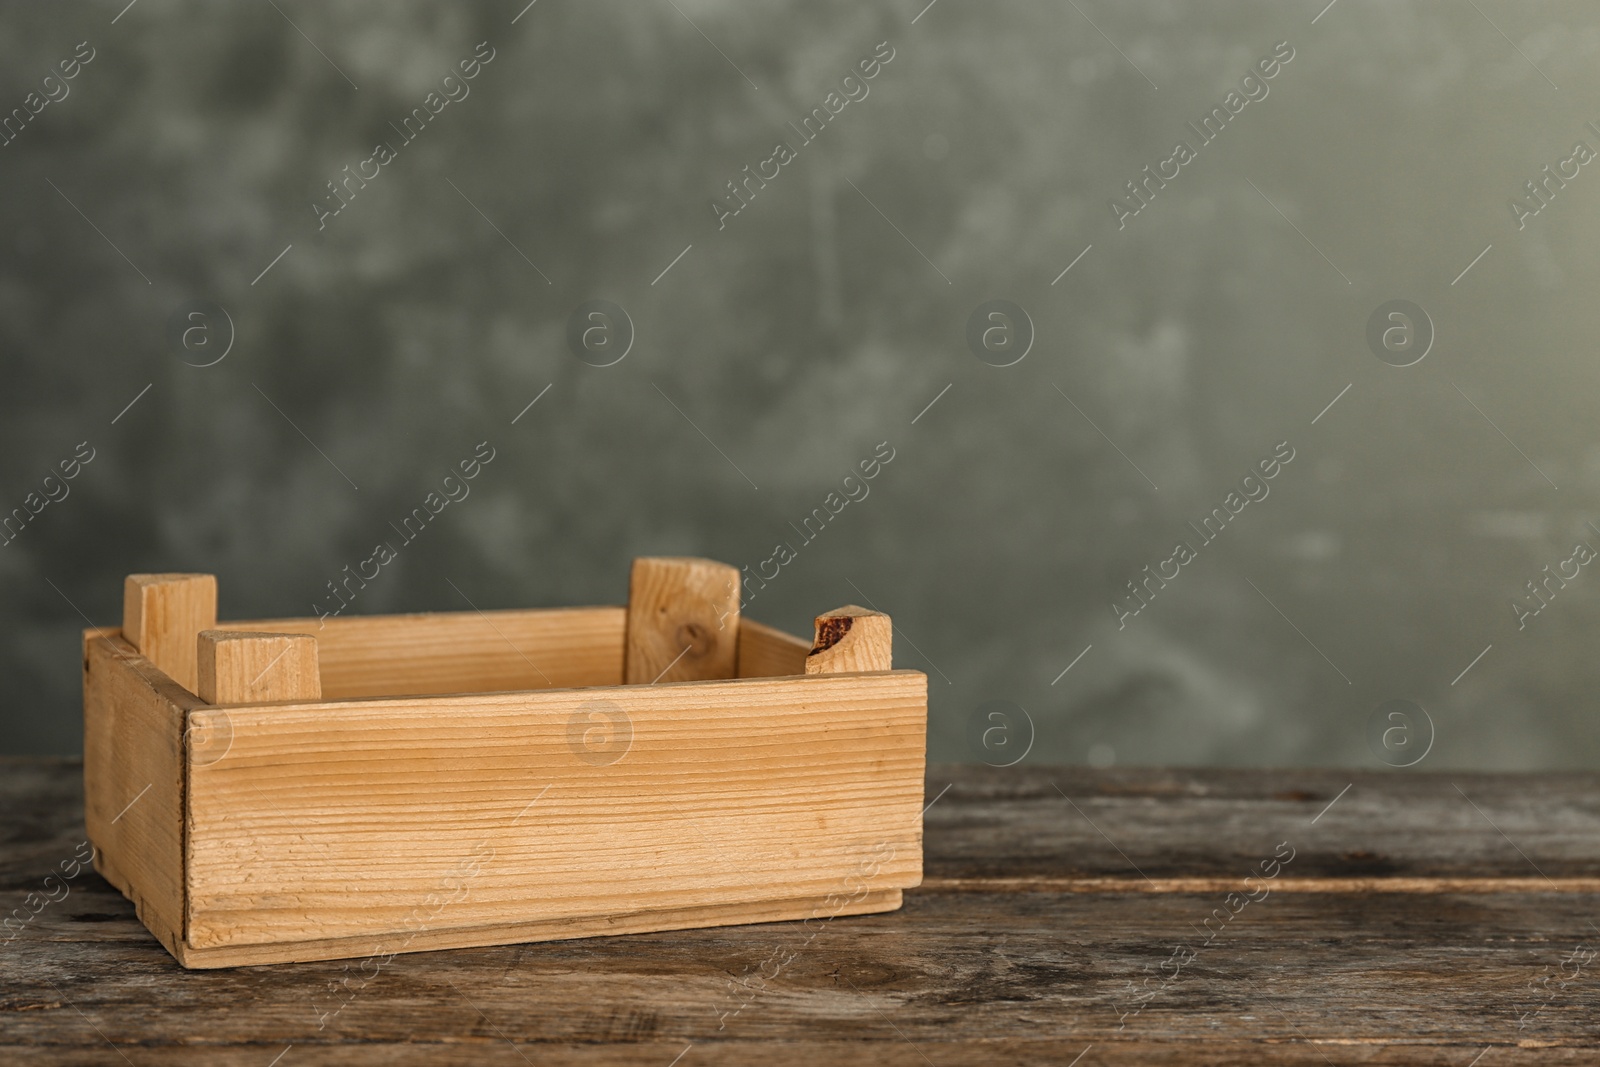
(1421,919)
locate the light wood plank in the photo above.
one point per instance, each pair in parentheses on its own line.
(250,667)
(163,614)
(683,620)
(424,939)
(460,652)
(851,639)
(133,741)
(350,819)
(766,652)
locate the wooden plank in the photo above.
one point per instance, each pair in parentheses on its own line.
(1191,829)
(420,938)
(765,652)
(343,819)
(471,1049)
(851,638)
(163,614)
(1395,980)
(133,741)
(954,977)
(460,652)
(683,620)
(250,667)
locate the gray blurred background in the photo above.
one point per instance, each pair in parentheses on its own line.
(780,350)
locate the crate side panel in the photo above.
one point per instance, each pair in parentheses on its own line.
(133,772)
(460,652)
(377,817)
(765,652)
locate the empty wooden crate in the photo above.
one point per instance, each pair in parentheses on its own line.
(298,789)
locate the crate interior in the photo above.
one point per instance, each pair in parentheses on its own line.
(496,651)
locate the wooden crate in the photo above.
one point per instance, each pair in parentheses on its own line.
(300,789)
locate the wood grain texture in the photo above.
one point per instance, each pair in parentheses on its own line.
(163,614)
(765,652)
(419,937)
(851,638)
(1015,824)
(683,620)
(250,667)
(1004,976)
(134,719)
(360,819)
(461,651)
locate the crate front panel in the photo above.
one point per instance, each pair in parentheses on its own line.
(394,817)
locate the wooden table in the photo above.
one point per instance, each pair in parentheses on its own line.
(1421,919)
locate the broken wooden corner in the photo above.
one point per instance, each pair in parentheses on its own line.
(851,639)
(300,789)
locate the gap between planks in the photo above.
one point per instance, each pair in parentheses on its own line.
(1057,884)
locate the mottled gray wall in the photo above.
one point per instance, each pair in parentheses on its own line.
(1178,351)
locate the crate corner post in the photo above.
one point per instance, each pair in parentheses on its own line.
(683,620)
(138,689)
(851,638)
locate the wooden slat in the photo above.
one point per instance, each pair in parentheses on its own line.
(460,652)
(683,620)
(1193,829)
(341,819)
(163,614)
(421,938)
(851,638)
(249,667)
(765,652)
(133,778)
(808,1050)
